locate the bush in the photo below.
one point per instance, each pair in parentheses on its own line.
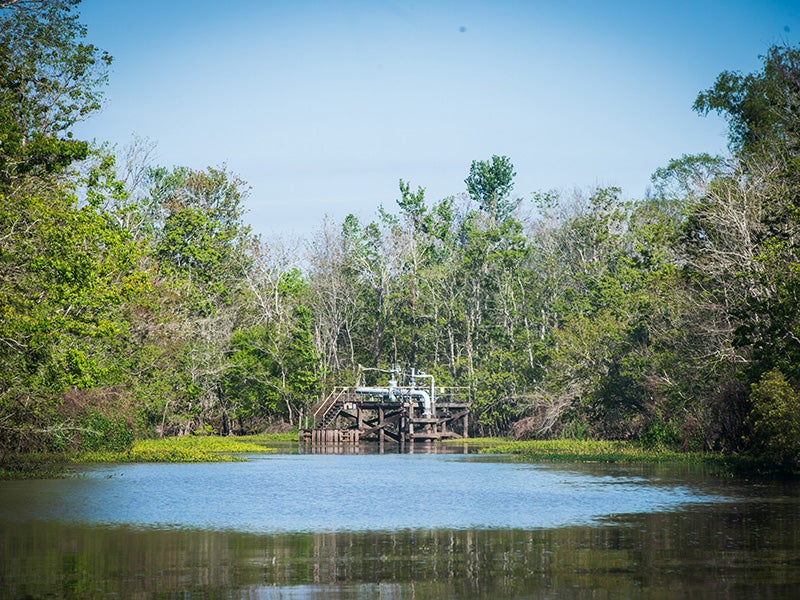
(660,435)
(775,421)
(103,433)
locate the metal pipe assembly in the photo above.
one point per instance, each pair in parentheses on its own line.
(404,410)
(395,393)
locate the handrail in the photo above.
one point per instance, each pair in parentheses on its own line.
(326,404)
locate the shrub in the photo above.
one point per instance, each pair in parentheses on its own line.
(660,435)
(775,421)
(99,432)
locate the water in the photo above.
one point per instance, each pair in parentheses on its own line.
(398,526)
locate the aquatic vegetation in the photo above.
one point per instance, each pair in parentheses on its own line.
(287,436)
(590,451)
(181,449)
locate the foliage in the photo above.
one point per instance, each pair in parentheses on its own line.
(660,435)
(49,80)
(489,183)
(66,278)
(762,108)
(180,449)
(102,433)
(775,420)
(593,451)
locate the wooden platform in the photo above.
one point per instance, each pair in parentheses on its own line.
(345,417)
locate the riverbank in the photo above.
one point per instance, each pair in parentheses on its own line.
(187,448)
(584,451)
(184,449)
(607,451)
(199,449)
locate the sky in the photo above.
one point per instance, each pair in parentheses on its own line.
(323,106)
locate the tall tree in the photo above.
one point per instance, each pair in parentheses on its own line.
(66,273)
(762,108)
(489,184)
(49,80)
(201,247)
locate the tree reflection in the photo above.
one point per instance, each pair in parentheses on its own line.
(741,550)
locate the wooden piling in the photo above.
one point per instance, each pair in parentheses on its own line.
(346,418)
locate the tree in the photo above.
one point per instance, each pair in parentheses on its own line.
(743,232)
(586,295)
(49,80)
(274,366)
(335,295)
(775,420)
(489,184)
(762,108)
(202,239)
(66,278)
(67,275)
(201,247)
(126,198)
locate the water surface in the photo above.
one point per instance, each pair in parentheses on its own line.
(326,493)
(398,526)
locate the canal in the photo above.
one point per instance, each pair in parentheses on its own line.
(398,526)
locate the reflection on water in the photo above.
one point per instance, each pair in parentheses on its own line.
(745,552)
(741,541)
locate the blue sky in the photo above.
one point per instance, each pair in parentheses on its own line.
(323,106)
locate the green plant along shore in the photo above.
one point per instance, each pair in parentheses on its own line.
(586,451)
(135,302)
(185,449)
(167,450)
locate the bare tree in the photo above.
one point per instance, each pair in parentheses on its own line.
(333,298)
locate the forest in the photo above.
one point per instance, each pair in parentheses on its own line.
(136,302)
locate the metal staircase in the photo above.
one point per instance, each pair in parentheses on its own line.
(329,408)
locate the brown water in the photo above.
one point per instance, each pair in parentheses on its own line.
(396,526)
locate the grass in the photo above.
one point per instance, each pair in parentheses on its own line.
(605,451)
(632,452)
(287,436)
(482,444)
(226,449)
(585,451)
(185,449)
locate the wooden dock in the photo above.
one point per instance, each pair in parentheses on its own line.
(345,417)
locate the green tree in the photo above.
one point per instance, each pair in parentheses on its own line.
(274,369)
(775,420)
(202,252)
(762,108)
(49,80)
(202,239)
(66,277)
(489,183)
(742,232)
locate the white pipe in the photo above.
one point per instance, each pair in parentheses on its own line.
(426,376)
(391,392)
(426,401)
(375,391)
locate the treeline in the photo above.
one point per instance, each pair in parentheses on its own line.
(135,301)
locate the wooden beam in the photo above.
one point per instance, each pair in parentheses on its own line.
(382,427)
